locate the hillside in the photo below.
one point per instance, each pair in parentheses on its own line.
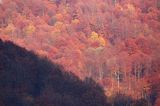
(29,80)
(115,42)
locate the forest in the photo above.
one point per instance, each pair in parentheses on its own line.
(108,47)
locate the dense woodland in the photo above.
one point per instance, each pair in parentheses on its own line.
(30,80)
(114,42)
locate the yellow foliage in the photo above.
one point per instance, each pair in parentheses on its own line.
(102,41)
(75,21)
(10,28)
(108,92)
(96,38)
(131,8)
(59,26)
(30,29)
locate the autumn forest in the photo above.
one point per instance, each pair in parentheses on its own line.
(79,52)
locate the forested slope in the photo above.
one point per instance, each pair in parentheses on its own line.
(116,42)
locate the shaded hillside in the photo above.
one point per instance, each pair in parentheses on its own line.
(27,80)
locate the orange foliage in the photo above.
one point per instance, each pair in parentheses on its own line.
(116,42)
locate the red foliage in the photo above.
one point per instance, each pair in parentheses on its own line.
(62,32)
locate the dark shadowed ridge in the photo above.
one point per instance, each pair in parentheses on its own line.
(30,80)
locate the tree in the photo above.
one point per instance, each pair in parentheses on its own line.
(29,29)
(59,17)
(96,38)
(10,29)
(52,21)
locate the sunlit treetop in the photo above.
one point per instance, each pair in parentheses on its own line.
(30,29)
(131,8)
(10,28)
(75,21)
(59,25)
(94,37)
